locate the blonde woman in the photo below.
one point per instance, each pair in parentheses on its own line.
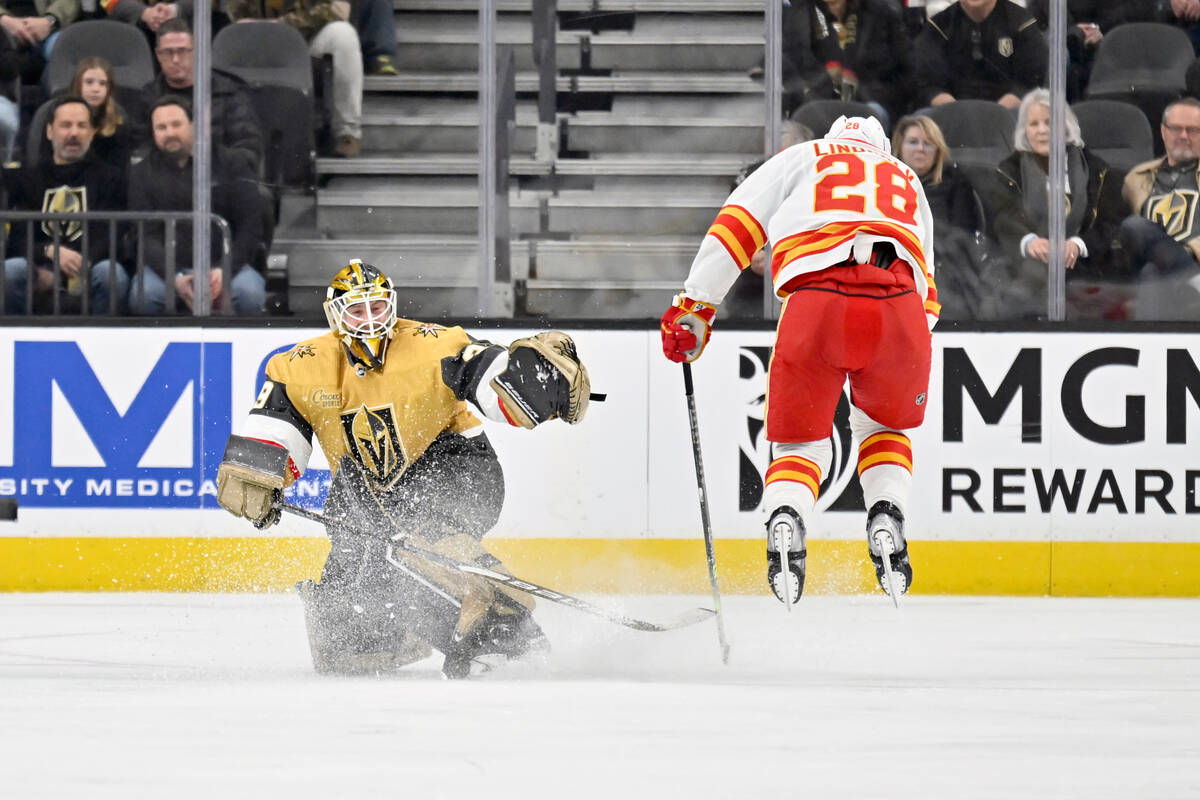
(958,224)
(1021,223)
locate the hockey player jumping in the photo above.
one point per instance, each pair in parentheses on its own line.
(387,399)
(852,257)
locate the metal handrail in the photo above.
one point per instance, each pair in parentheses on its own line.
(199,308)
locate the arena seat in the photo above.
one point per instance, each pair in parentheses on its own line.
(819,115)
(1117,132)
(121,45)
(274,62)
(1143,63)
(977,131)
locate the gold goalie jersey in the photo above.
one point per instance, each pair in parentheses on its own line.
(384,419)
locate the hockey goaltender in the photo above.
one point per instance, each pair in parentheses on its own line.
(388,401)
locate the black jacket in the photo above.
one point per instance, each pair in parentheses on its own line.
(86,185)
(1004,54)
(237,142)
(953,201)
(159,183)
(879,52)
(1101,221)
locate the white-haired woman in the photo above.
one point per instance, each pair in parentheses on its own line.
(1021,219)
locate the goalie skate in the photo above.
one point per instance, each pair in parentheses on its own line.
(785,542)
(889,549)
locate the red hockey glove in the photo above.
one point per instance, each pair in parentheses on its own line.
(686,327)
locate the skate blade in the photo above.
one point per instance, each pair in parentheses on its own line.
(893,582)
(785,571)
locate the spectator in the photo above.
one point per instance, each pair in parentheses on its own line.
(877,64)
(812,58)
(375,21)
(1162,237)
(1021,219)
(34,26)
(323,25)
(70,179)
(150,16)
(958,224)
(93,82)
(980,50)
(1184,14)
(10,112)
(236,137)
(163,182)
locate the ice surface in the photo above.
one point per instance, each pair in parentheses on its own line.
(180,696)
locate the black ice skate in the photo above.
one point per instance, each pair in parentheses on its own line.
(506,633)
(785,533)
(885,536)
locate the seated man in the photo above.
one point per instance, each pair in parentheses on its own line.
(980,50)
(1162,235)
(237,140)
(163,182)
(72,179)
(323,23)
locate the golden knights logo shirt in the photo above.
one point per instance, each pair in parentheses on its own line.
(1172,201)
(384,420)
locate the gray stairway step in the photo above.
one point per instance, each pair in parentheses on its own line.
(381,164)
(649,6)
(643,164)
(682,42)
(610,263)
(636,213)
(702,80)
(464,79)
(374,208)
(441,41)
(605,132)
(416,260)
(398,123)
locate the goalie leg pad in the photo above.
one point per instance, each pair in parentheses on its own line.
(544,380)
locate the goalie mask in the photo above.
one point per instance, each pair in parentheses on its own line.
(360,305)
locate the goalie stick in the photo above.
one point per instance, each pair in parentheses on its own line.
(690,618)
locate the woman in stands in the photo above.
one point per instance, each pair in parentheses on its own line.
(93,82)
(958,224)
(1021,218)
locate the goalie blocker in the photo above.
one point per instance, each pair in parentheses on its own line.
(251,478)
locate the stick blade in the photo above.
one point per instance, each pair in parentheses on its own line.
(8,509)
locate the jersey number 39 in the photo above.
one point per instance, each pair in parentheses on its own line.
(848,189)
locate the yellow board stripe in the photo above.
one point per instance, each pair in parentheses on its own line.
(618,566)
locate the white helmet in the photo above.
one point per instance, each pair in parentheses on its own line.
(862,130)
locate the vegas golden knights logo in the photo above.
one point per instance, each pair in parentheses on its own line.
(1174,212)
(64,200)
(374,442)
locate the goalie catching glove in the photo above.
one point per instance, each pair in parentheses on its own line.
(251,478)
(686,328)
(544,380)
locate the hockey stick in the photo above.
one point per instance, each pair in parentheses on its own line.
(399,543)
(709,552)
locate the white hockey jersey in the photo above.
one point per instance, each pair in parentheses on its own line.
(816,204)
